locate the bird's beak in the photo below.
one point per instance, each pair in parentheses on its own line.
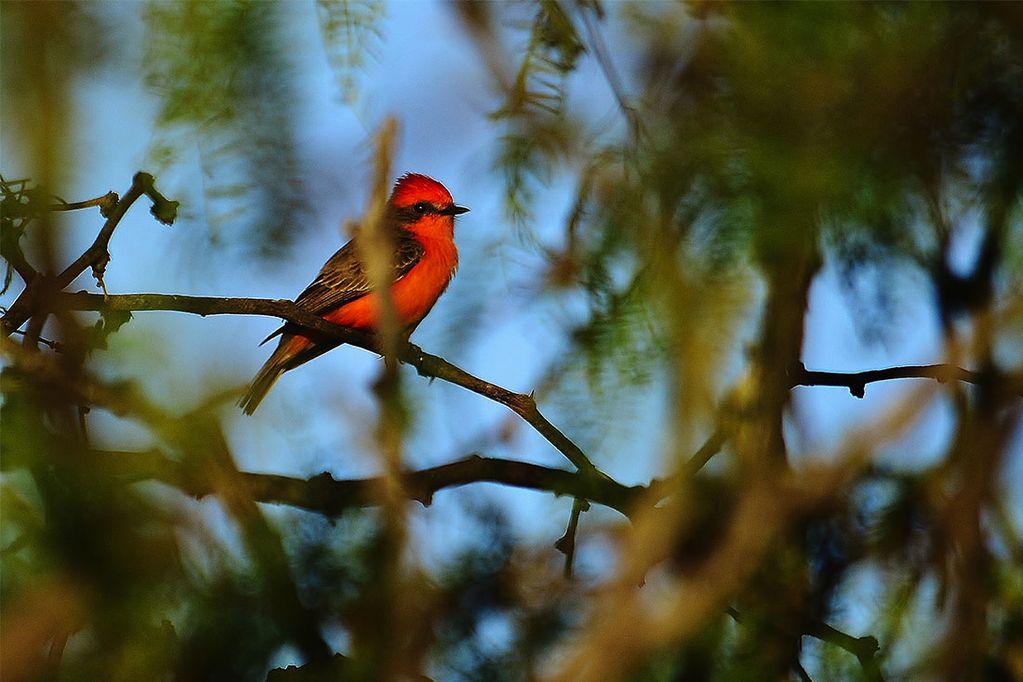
(455,210)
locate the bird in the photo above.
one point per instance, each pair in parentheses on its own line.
(420,216)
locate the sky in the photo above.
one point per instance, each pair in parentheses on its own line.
(424,71)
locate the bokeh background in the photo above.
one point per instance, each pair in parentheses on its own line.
(651,185)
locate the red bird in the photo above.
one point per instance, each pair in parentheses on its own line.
(421,217)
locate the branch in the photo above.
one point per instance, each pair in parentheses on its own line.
(863,648)
(106,204)
(856,382)
(10,249)
(520,403)
(436,367)
(425,363)
(566,543)
(320,494)
(97,255)
(325,495)
(55,345)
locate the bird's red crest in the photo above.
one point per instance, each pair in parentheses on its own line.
(413,187)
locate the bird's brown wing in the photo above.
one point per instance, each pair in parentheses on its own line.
(343,278)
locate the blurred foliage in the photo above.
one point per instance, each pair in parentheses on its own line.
(724,155)
(350,31)
(226,84)
(535,105)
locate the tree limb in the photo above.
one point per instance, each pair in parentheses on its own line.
(325,495)
(436,367)
(425,363)
(856,382)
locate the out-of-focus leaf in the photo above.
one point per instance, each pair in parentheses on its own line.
(351,31)
(227,89)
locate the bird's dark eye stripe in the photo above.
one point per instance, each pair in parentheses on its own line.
(422,207)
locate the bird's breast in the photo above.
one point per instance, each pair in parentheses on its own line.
(414,295)
(416,292)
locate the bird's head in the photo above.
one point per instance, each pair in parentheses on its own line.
(424,206)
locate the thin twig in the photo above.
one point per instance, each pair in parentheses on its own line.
(566,543)
(10,249)
(863,648)
(106,204)
(97,255)
(55,345)
(856,382)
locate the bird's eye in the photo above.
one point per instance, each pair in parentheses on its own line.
(421,207)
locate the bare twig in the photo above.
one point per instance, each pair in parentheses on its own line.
(856,382)
(863,648)
(55,345)
(106,204)
(96,256)
(35,328)
(566,543)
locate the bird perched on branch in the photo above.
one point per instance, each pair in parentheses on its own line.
(420,219)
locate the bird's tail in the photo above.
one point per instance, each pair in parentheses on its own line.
(292,351)
(284,357)
(268,375)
